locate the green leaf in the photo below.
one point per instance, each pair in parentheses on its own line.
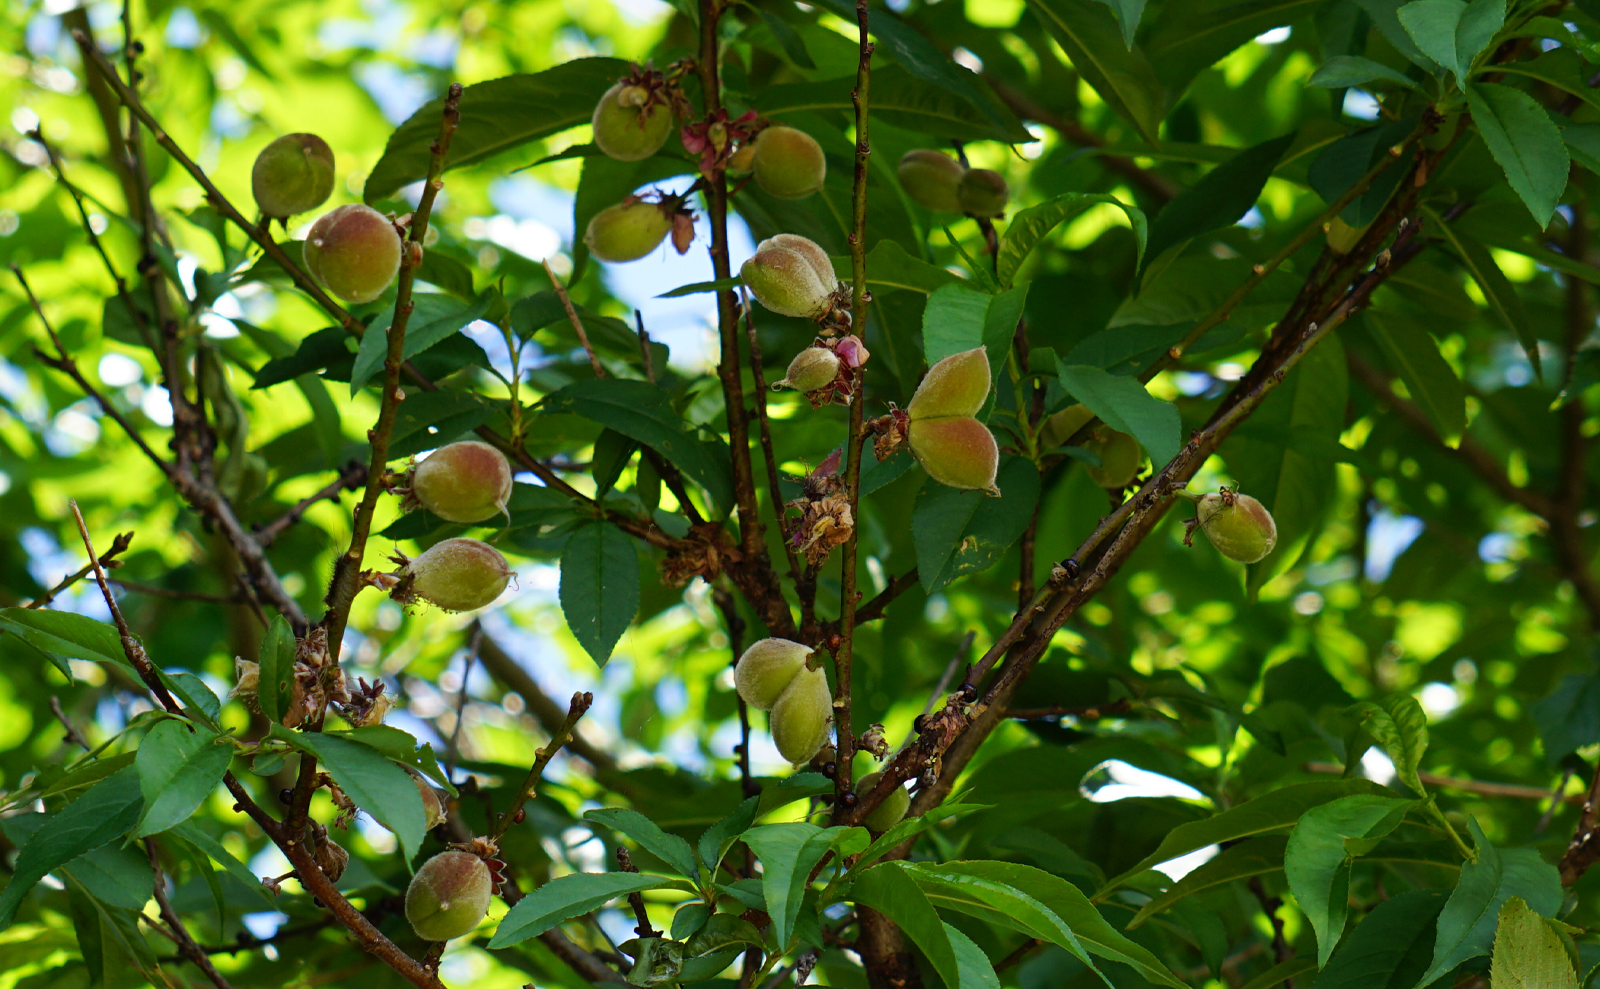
(430,419)
(316,351)
(957,533)
(1528,953)
(958,318)
(1220,199)
(793,45)
(1252,857)
(974,969)
(1432,382)
(496,116)
(721,836)
(1391,946)
(696,288)
(889,267)
(275,662)
(901,99)
(1400,726)
(1123,76)
(1189,37)
(1583,143)
(1273,811)
(599,586)
(64,634)
(434,317)
(1317,859)
(669,848)
(199,703)
(1032,225)
(1503,299)
(88,774)
(401,747)
(178,768)
(1562,68)
(567,897)
(1526,143)
(1122,403)
(1467,923)
(1569,718)
(108,810)
(1452,32)
(379,787)
(640,410)
(788,853)
(1343,71)
(908,828)
(1129,13)
(191,832)
(889,889)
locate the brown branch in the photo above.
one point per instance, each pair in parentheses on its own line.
(351,478)
(119,545)
(73,735)
(1091,713)
(580,704)
(1482,788)
(874,609)
(546,711)
(636,900)
(180,934)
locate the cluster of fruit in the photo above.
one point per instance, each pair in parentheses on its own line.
(463,482)
(936,181)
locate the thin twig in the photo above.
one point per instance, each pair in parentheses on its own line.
(474,643)
(351,478)
(119,545)
(764,429)
(186,943)
(577,324)
(73,735)
(580,704)
(636,900)
(165,592)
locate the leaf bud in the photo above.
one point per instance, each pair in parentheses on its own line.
(461,482)
(1120,456)
(812,368)
(627,231)
(983,192)
(931,178)
(788,163)
(955,386)
(887,814)
(800,717)
(448,896)
(1239,526)
(455,574)
(766,668)
(627,126)
(292,175)
(784,280)
(354,251)
(958,451)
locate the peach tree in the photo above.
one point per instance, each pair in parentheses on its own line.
(926,679)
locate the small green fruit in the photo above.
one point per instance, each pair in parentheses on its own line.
(457,575)
(890,812)
(785,281)
(983,192)
(742,161)
(448,896)
(931,178)
(1239,526)
(462,482)
(355,251)
(958,451)
(812,368)
(788,163)
(626,132)
(809,249)
(627,231)
(1120,456)
(800,717)
(292,175)
(1342,236)
(955,386)
(766,668)
(1060,427)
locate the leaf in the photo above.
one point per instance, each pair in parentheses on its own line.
(958,318)
(1189,37)
(669,848)
(62,633)
(1032,225)
(567,897)
(787,36)
(1391,946)
(275,668)
(697,287)
(496,116)
(402,747)
(199,703)
(1123,76)
(1528,954)
(1252,857)
(316,351)
(901,99)
(889,889)
(109,809)
(1278,974)
(89,774)
(1569,718)
(1122,403)
(191,832)
(1343,71)
(434,317)
(1526,143)
(1467,923)
(908,828)
(599,586)
(1401,726)
(788,853)
(639,410)
(376,785)
(1503,299)
(889,267)
(1272,811)
(1317,859)
(721,836)
(1129,13)
(1346,161)
(1221,198)
(1452,32)
(178,769)
(1562,68)
(1432,382)
(430,419)
(957,533)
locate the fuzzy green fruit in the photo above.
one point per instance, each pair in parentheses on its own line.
(457,575)
(983,192)
(1120,456)
(627,231)
(788,163)
(355,251)
(292,175)
(958,451)
(448,896)
(812,368)
(890,812)
(955,386)
(766,668)
(800,717)
(1060,427)
(625,132)
(463,482)
(1239,526)
(809,249)
(931,178)
(785,281)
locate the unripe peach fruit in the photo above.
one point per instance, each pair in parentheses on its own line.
(627,231)
(458,574)
(766,668)
(812,368)
(1120,456)
(809,249)
(890,812)
(1342,236)
(983,192)
(955,386)
(785,281)
(292,175)
(800,716)
(1239,526)
(743,160)
(1061,426)
(355,251)
(788,163)
(448,896)
(930,178)
(463,482)
(958,451)
(625,132)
